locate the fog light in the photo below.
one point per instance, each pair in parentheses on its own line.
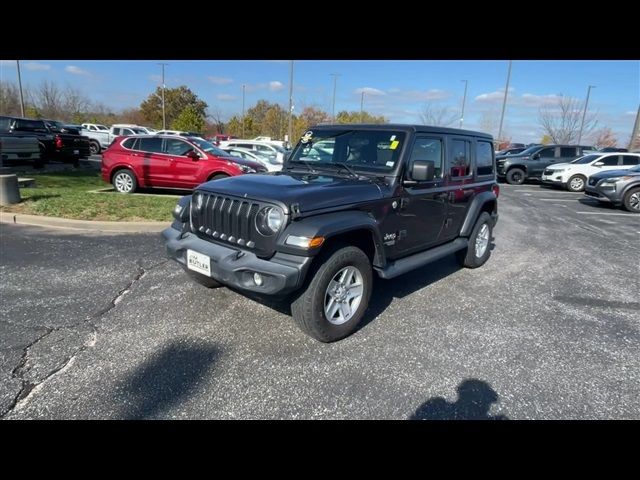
(257,279)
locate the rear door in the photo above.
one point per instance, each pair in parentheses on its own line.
(152,164)
(630,161)
(458,180)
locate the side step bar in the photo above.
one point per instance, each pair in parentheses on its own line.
(412,262)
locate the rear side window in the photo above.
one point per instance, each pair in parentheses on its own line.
(152,145)
(568,152)
(630,160)
(31,125)
(484,158)
(459,159)
(130,143)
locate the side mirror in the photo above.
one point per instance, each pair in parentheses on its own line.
(598,164)
(193,155)
(423,171)
(535,156)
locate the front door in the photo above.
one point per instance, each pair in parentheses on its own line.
(542,160)
(183,170)
(421,208)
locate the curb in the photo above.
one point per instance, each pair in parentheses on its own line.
(90,225)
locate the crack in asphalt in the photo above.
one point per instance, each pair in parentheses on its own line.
(19,371)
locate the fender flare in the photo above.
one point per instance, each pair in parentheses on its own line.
(329,225)
(474,211)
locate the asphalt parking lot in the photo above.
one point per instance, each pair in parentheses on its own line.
(103,326)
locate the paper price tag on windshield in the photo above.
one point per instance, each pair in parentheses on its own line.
(394,144)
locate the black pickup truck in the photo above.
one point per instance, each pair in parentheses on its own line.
(56,142)
(350,201)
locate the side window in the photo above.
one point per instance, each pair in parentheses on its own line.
(547,152)
(243,145)
(151,145)
(459,159)
(129,143)
(568,152)
(5,122)
(430,149)
(609,161)
(264,148)
(484,158)
(173,146)
(127,131)
(116,131)
(630,160)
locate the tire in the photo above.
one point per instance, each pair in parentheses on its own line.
(576,183)
(516,176)
(468,257)
(345,264)
(94,147)
(124,181)
(218,176)
(632,200)
(203,279)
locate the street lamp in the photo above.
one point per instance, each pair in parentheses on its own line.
(243,88)
(20,86)
(464,99)
(504,103)
(362,107)
(333,107)
(289,139)
(164,119)
(584,113)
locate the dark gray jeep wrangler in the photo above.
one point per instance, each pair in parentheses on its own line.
(351,200)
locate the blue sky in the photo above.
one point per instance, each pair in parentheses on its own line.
(396,89)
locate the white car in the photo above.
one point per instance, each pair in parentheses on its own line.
(573,176)
(270,162)
(261,148)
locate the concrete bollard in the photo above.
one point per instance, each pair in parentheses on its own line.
(9,191)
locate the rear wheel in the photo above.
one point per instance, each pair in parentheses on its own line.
(218,176)
(94,147)
(515,176)
(124,181)
(632,200)
(479,249)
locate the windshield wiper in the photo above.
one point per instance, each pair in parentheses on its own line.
(306,164)
(347,168)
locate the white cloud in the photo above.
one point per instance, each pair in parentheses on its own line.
(275,86)
(155,78)
(76,70)
(226,97)
(370,91)
(220,80)
(421,95)
(33,66)
(630,112)
(494,97)
(532,100)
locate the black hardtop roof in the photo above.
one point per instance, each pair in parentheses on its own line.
(403,127)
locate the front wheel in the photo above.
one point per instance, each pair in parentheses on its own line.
(334,301)
(124,181)
(632,200)
(479,249)
(515,176)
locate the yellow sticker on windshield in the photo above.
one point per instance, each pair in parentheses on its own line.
(394,144)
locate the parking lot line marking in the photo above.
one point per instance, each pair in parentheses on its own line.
(557,199)
(607,213)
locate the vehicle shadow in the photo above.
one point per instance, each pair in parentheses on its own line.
(475,398)
(595,203)
(168,378)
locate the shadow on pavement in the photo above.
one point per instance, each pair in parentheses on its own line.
(475,398)
(168,378)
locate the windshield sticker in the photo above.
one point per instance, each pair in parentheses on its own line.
(394,144)
(393,137)
(306,138)
(389,164)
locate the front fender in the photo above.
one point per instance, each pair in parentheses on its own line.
(474,211)
(329,225)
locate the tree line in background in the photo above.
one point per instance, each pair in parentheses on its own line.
(559,121)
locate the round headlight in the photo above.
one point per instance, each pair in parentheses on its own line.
(269,220)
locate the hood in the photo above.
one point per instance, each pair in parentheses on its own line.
(519,156)
(558,166)
(614,173)
(257,166)
(309,191)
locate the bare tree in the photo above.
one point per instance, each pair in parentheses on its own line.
(216,116)
(603,137)
(74,103)
(561,121)
(47,99)
(431,114)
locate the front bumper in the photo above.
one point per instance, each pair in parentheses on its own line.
(281,274)
(553,179)
(610,195)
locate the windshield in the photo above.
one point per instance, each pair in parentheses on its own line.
(101,127)
(375,151)
(208,147)
(586,159)
(635,169)
(530,150)
(54,125)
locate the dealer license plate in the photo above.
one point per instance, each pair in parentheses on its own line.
(198,263)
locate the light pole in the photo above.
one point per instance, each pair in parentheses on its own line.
(464,99)
(504,103)
(164,118)
(584,113)
(20,87)
(362,107)
(333,104)
(289,139)
(636,130)
(243,87)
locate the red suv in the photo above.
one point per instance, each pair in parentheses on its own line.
(168,161)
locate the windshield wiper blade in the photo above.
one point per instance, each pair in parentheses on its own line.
(347,168)
(306,164)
